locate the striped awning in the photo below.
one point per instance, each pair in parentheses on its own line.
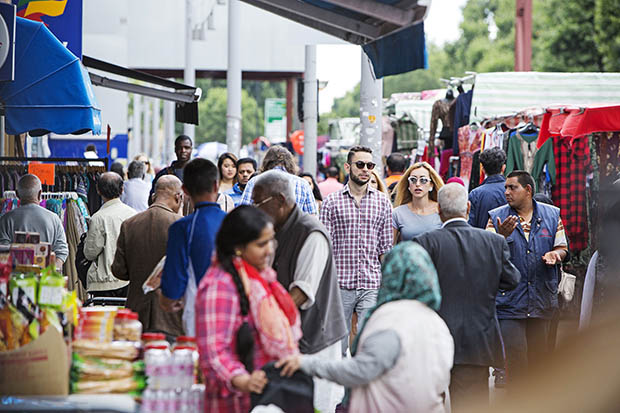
(418,110)
(505,93)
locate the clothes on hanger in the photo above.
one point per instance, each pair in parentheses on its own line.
(462,108)
(469,142)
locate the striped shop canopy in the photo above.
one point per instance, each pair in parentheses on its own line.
(505,93)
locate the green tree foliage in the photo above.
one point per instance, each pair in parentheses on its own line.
(568,41)
(607,33)
(212,117)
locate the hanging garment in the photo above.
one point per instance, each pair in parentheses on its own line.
(469,142)
(569,193)
(441,111)
(523,154)
(462,108)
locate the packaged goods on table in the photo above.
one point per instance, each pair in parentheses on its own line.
(171,377)
(127,326)
(24,313)
(106,348)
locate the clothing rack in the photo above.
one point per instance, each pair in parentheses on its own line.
(44,195)
(54,160)
(456,82)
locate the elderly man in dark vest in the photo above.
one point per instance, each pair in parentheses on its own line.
(306,268)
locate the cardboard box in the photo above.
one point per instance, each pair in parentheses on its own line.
(39,368)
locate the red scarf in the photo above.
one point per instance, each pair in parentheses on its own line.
(275,289)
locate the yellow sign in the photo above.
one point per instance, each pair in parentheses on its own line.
(372,118)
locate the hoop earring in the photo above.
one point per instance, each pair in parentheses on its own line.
(238,253)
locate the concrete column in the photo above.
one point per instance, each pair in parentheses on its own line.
(169,137)
(146,132)
(155,146)
(189,73)
(233,79)
(136,131)
(371,102)
(310,110)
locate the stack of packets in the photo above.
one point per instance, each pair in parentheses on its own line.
(28,250)
(103,362)
(32,300)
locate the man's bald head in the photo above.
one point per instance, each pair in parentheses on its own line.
(169,192)
(168,186)
(28,189)
(110,185)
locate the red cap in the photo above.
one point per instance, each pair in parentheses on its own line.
(153,336)
(186,339)
(184,348)
(156,347)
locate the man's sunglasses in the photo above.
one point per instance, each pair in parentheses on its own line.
(361,164)
(423,180)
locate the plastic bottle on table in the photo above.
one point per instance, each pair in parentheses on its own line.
(198,398)
(156,360)
(149,401)
(184,366)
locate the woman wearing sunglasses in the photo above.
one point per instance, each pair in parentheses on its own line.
(416,202)
(244,317)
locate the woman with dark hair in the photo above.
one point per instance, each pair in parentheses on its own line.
(244,317)
(314,186)
(227,166)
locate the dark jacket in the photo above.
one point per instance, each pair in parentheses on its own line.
(536,296)
(141,245)
(323,323)
(472,265)
(488,196)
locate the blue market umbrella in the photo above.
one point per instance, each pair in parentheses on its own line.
(51,91)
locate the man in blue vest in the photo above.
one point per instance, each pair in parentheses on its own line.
(538,244)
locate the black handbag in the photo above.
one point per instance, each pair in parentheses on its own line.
(81,263)
(293,394)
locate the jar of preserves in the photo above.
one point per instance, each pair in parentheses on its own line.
(127,327)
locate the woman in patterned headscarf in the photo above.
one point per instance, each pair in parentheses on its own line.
(403,354)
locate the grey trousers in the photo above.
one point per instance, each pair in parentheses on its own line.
(360,301)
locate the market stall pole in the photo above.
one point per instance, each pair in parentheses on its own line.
(310,111)
(371,100)
(189,73)
(233,79)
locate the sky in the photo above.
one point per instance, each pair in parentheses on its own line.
(340,65)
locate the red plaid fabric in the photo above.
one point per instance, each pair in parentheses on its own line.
(360,234)
(569,193)
(218,318)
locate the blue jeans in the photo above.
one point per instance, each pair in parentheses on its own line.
(360,301)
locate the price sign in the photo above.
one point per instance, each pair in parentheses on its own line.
(44,171)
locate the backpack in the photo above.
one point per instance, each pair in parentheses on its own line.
(81,263)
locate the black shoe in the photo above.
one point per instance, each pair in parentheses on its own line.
(500,378)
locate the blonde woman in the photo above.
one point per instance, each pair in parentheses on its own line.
(150,172)
(416,202)
(378,184)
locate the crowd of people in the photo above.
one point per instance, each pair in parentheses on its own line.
(264,265)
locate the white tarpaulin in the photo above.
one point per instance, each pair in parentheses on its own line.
(504,93)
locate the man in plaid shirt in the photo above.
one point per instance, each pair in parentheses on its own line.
(359,221)
(278,157)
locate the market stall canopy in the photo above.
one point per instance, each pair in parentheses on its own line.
(391,32)
(185,97)
(505,93)
(51,91)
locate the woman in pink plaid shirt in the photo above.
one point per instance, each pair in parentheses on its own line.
(244,317)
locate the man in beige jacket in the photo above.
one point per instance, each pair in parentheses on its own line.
(141,245)
(103,231)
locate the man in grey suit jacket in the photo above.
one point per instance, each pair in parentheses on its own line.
(473,265)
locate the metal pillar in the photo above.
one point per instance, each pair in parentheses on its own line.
(371,102)
(189,73)
(136,130)
(146,132)
(233,79)
(523,36)
(155,147)
(310,110)
(169,137)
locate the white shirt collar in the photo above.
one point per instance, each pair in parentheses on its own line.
(453,220)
